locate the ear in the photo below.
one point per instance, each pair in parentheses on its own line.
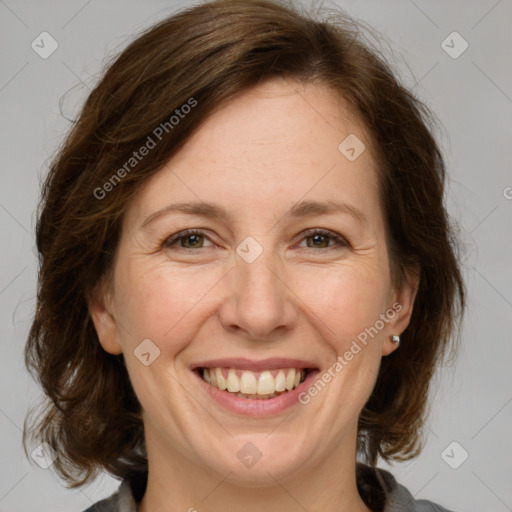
(101,309)
(401,304)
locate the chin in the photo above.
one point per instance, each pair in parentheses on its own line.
(256,460)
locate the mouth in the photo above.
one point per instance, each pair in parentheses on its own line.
(255,387)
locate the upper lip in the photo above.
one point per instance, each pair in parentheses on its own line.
(243,363)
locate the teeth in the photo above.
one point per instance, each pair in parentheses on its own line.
(247,384)
(266,384)
(233,381)
(280,381)
(256,397)
(213,379)
(221,381)
(290,379)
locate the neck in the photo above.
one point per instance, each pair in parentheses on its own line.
(179,483)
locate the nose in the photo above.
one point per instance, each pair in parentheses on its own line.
(259,302)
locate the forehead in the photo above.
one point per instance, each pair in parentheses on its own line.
(278,121)
(275,143)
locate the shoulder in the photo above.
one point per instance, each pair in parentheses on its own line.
(121,501)
(399,499)
(429,506)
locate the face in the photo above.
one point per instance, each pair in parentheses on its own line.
(273,280)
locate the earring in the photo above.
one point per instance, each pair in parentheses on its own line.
(396,340)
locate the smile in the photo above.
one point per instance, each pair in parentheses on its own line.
(254,388)
(254,385)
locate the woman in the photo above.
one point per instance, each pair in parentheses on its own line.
(247,276)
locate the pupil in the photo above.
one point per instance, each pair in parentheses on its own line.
(317,238)
(192,237)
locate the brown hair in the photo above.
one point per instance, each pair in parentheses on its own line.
(202,57)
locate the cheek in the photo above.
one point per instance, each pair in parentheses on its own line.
(346,299)
(163,303)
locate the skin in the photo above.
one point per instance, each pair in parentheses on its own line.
(203,301)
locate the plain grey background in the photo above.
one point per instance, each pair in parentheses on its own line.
(472,97)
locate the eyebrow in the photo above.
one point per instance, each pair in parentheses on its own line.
(302,209)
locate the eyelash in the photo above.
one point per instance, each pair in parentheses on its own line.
(169,242)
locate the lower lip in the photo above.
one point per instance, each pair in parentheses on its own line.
(255,407)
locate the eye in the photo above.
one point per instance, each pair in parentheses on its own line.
(191,239)
(320,237)
(194,239)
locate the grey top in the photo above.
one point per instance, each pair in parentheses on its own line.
(377,487)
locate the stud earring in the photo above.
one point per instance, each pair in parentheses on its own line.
(396,340)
